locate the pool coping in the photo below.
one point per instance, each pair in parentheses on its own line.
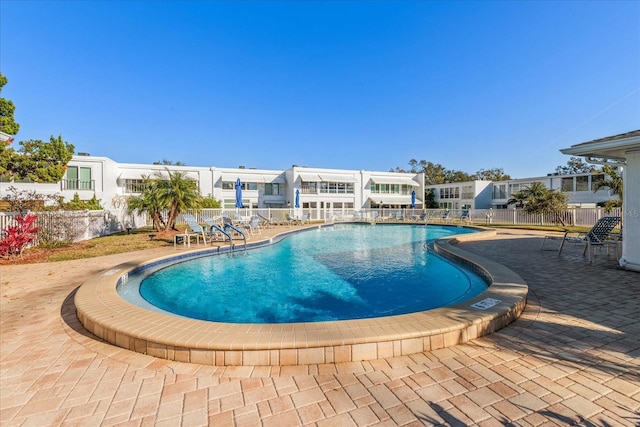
(104,313)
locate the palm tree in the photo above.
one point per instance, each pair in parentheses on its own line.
(148,202)
(534,191)
(612,180)
(178,193)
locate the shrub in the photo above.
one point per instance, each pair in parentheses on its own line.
(19,236)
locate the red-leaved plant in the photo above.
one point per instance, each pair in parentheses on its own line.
(17,237)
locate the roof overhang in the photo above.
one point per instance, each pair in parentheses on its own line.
(140,173)
(400,180)
(248,177)
(610,150)
(325,177)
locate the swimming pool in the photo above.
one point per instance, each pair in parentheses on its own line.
(105,314)
(348,271)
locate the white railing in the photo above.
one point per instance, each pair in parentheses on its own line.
(85,225)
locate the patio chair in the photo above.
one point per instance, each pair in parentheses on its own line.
(446,216)
(599,235)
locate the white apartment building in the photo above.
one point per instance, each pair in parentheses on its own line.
(320,192)
(581,189)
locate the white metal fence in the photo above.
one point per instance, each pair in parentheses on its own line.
(74,226)
(572,217)
(85,225)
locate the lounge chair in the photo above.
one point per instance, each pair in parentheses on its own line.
(465,216)
(446,216)
(194,229)
(420,218)
(291,219)
(254,225)
(215,230)
(266,222)
(599,235)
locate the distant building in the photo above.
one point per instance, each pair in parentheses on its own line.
(581,189)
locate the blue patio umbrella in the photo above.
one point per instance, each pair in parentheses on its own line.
(239,194)
(297,205)
(413,199)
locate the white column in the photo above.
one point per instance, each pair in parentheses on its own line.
(631,213)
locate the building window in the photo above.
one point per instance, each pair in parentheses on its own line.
(567,184)
(272,189)
(309,188)
(231,185)
(78,178)
(467,192)
(335,187)
(134,185)
(500,191)
(387,189)
(582,183)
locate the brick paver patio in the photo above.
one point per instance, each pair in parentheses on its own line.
(572,358)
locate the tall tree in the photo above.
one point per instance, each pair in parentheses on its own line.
(7,124)
(576,165)
(493,174)
(37,160)
(169,163)
(434,173)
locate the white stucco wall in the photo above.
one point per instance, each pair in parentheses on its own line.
(631,228)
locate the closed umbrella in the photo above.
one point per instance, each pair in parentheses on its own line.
(239,194)
(297,205)
(413,199)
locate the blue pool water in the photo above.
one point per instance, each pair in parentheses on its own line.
(333,273)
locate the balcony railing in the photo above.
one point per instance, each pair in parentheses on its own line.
(76,184)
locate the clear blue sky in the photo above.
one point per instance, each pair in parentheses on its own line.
(349,85)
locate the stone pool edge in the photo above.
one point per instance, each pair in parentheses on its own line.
(106,315)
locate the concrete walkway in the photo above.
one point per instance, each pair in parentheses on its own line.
(572,358)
